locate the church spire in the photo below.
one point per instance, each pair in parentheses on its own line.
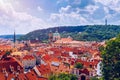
(14,38)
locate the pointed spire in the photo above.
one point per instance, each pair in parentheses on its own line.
(14,38)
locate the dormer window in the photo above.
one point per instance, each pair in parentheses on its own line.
(18,67)
(4,70)
(11,68)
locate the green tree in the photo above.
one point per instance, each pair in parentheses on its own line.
(78,65)
(111,59)
(73,77)
(63,76)
(53,77)
(94,78)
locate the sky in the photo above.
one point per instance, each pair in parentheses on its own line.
(24,16)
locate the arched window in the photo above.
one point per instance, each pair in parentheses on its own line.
(83,77)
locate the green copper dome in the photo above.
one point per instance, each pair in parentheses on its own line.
(56,34)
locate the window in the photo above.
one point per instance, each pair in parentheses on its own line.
(12,79)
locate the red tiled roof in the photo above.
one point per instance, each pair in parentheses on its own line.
(31,75)
(42,78)
(65,55)
(2,52)
(46,57)
(5,47)
(64,40)
(9,61)
(28,57)
(44,69)
(68,49)
(85,71)
(21,76)
(39,53)
(10,76)
(2,76)
(87,64)
(60,69)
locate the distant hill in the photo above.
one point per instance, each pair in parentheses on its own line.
(85,33)
(10,36)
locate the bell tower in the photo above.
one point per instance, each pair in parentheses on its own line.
(50,35)
(56,36)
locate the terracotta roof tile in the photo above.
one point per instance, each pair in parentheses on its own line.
(44,69)
(2,76)
(46,57)
(9,61)
(31,75)
(28,57)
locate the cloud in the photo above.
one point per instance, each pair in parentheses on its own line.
(70,15)
(63,12)
(91,8)
(39,8)
(110,9)
(67,16)
(61,1)
(65,9)
(77,2)
(19,20)
(111,4)
(93,11)
(107,2)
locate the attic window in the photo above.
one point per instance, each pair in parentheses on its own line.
(4,70)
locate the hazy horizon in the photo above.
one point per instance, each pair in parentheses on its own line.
(27,15)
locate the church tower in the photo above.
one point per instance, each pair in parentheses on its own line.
(106,22)
(56,36)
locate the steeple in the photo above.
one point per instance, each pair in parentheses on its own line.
(50,36)
(14,38)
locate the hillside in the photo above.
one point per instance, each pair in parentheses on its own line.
(86,33)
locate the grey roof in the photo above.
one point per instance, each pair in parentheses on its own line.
(55,63)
